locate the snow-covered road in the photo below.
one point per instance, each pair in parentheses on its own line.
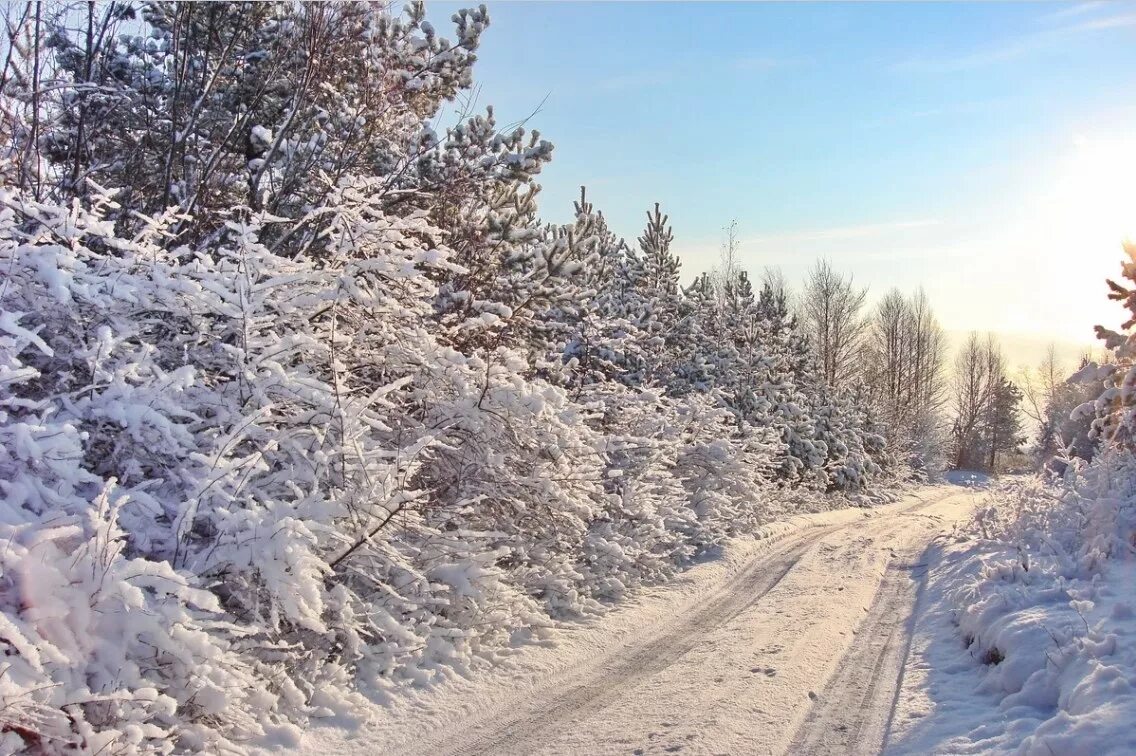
(791,643)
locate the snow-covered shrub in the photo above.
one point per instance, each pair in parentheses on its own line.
(113,654)
(1079,521)
(254,413)
(1041,599)
(647,527)
(515,469)
(111,647)
(726,470)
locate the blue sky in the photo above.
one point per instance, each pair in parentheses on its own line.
(984,151)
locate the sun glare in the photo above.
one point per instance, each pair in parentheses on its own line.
(1084,211)
(1099,192)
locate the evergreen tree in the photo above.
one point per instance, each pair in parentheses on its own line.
(1002,425)
(1115,407)
(665,326)
(596,337)
(660,265)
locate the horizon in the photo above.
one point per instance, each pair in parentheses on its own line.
(912,160)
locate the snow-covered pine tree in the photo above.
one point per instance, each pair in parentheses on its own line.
(662,322)
(855,448)
(758,374)
(591,334)
(207,106)
(660,265)
(1115,407)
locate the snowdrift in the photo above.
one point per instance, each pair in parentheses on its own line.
(1032,614)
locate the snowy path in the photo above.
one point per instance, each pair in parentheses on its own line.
(791,643)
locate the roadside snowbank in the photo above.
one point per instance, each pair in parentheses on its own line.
(1026,640)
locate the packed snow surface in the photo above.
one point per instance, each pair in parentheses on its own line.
(792,641)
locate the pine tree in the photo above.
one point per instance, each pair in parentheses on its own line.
(264,105)
(1115,407)
(661,321)
(592,334)
(661,266)
(1002,423)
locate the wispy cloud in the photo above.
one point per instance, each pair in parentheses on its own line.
(1029,43)
(1009,50)
(1118,21)
(842,233)
(1073,11)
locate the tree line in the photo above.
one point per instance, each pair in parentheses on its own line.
(298,391)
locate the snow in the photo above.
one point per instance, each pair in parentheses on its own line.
(728,657)
(261,136)
(1025,641)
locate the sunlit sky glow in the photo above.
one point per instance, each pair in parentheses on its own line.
(984,151)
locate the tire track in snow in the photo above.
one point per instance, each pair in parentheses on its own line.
(526,730)
(851,716)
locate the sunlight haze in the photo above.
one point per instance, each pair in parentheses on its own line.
(984,153)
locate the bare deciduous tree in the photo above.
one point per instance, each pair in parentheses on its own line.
(904,356)
(830,309)
(979,370)
(726,274)
(1040,386)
